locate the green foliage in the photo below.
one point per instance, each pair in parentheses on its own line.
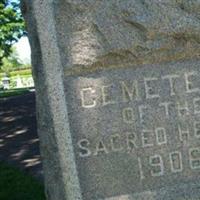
(25,72)
(15,185)
(2,74)
(6,67)
(21,73)
(11,63)
(12,26)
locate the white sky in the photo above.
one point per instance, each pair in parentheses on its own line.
(23,49)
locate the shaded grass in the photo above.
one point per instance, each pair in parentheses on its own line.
(13,92)
(15,185)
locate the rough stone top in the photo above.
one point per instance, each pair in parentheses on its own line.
(129,31)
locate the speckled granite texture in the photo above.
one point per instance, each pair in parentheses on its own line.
(118,97)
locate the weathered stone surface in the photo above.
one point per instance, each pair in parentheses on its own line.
(130,31)
(118,97)
(137,131)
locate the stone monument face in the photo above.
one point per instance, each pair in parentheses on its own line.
(136,131)
(118,96)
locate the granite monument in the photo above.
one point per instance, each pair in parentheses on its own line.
(118,97)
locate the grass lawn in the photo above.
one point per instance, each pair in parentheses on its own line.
(13,92)
(15,185)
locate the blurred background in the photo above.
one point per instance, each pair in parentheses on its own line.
(21,176)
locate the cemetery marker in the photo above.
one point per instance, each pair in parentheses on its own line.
(118,97)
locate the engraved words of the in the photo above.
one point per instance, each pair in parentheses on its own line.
(158,103)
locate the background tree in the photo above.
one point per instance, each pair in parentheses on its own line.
(12,26)
(11,63)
